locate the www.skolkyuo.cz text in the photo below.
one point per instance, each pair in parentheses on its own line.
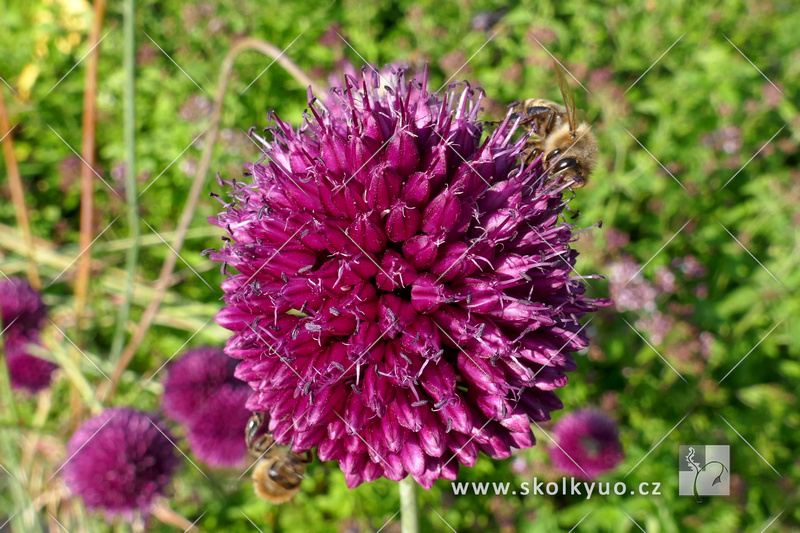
(568,487)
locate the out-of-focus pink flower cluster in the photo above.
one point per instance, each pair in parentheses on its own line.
(119,461)
(585,444)
(659,315)
(202,394)
(23,314)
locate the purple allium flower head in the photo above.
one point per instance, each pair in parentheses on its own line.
(216,435)
(202,393)
(119,461)
(23,312)
(588,438)
(26,371)
(22,308)
(192,378)
(404,292)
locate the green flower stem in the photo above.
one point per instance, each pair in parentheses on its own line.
(409,509)
(8,409)
(8,450)
(131,197)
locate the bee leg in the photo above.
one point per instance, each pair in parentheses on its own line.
(276,473)
(261,445)
(253,425)
(533,153)
(305,457)
(277,477)
(539,119)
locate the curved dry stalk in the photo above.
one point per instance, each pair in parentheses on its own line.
(161,510)
(107,390)
(57,492)
(17,193)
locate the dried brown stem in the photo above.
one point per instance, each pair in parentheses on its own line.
(107,390)
(17,192)
(87,152)
(163,512)
(87,186)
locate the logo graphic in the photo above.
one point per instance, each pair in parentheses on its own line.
(704,471)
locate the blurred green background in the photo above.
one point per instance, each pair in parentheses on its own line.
(697,188)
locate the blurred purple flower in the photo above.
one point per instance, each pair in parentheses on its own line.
(706,344)
(192,379)
(22,308)
(405,293)
(727,139)
(690,266)
(202,393)
(119,461)
(657,324)
(216,435)
(615,240)
(23,313)
(629,289)
(486,20)
(26,371)
(588,438)
(665,280)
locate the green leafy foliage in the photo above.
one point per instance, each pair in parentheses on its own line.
(712,206)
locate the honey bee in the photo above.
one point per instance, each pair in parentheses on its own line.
(279,470)
(561,133)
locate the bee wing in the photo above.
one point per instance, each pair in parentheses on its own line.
(566,94)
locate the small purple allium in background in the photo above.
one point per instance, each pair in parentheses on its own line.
(202,394)
(23,314)
(26,371)
(588,438)
(405,295)
(22,307)
(216,435)
(119,461)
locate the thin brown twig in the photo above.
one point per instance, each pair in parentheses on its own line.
(17,193)
(87,151)
(107,389)
(87,186)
